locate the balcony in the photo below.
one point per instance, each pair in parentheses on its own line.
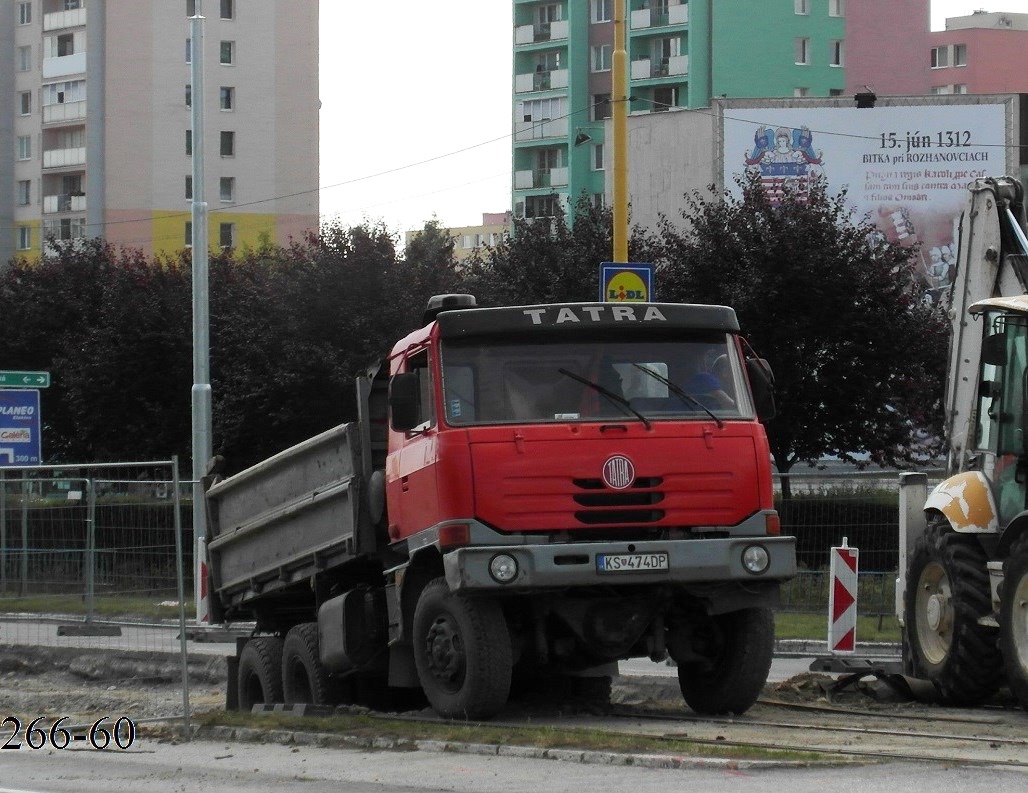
(62,158)
(535,34)
(646,68)
(540,81)
(64,19)
(644,18)
(66,202)
(528,180)
(64,111)
(64,65)
(536,130)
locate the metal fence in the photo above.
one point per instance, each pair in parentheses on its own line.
(97,556)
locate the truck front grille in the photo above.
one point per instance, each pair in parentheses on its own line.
(634,505)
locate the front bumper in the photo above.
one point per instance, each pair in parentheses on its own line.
(556,566)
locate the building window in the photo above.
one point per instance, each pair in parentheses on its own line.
(602,11)
(835,48)
(228,51)
(601,107)
(60,93)
(228,144)
(601,57)
(25,102)
(228,96)
(803,51)
(65,45)
(598,201)
(189,50)
(940,57)
(189,188)
(802,6)
(25,59)
(228,9)
(189,234)
(24,192)
(836,8)
(227,235)
(189,143)
(541,206)
(190,8)
(189,96)
(24,238)
(598,157)
(24,147)
(24,13)
(227,188)
(71,5)
(960,55)
(835,92)
(801,92)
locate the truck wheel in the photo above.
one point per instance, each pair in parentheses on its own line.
(304,679)
(737,650)
(260,672)
(462,652)
(947,592)
(1013,620)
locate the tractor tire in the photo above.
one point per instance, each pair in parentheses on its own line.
(737,649)
(259,681)
(462,653)
(947,592)
(1013,620)
(304,679)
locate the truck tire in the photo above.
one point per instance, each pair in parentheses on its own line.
(462,653)
(259,681)
(947,592)
(738,648)
(1013,620)
(304,679)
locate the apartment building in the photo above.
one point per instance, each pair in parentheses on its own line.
(96,115)
(681,54)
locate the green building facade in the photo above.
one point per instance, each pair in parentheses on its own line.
(681,53)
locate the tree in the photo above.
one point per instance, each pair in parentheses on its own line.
(858,353)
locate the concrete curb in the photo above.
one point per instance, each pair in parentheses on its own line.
(583,756)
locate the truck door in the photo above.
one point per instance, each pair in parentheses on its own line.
(1002,412)
(411,493)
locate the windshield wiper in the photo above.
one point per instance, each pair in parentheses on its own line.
(681,393)
(617,399)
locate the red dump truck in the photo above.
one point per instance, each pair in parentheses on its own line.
(527,491)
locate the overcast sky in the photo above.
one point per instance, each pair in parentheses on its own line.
(416,113)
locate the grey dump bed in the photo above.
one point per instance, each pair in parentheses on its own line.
(285,518)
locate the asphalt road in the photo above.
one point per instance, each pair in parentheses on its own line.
(221,767)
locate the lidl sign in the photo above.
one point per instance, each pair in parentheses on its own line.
(626,283)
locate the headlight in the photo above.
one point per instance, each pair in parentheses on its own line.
(755,559)
(503,568)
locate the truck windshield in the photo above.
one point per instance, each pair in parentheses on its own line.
(494,381)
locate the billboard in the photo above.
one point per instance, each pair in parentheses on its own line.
(904,167)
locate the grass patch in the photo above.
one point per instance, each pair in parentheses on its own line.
(542,737)
(104,606)
(870,628)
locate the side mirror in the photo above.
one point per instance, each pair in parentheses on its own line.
(762,381)
(404,393)
(994,350)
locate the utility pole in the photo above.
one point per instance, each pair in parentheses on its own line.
(201,392)
(619,108)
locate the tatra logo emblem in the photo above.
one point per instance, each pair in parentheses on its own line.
(618,472)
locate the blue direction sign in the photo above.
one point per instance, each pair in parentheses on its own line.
(24,379)
(20,428)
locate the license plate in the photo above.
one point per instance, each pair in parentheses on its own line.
(631,562)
